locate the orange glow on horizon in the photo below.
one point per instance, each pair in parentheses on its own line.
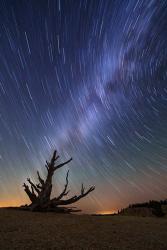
(107,212)
(11,203)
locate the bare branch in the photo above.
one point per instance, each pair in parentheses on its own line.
(31,195)
(50,165)
(82,189)
(39,186)
(64,192)
(74,198)
(47,165)
(54,158)
(40,179)
(32,190)
(62,164)
(33,185)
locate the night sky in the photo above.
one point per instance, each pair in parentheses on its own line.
(88,78)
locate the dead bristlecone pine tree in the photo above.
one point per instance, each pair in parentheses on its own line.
(40,194)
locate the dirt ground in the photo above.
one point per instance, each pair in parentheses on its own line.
(26,230)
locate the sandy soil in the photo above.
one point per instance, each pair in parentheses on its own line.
(25,230)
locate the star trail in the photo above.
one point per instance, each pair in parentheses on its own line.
(88,78)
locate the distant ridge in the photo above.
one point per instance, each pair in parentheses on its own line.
(151,208)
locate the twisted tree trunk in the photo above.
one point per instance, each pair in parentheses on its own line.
(40,194)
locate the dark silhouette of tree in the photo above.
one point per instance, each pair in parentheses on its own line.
(155,206)
(40,194)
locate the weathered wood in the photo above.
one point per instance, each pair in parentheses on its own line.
(40,194)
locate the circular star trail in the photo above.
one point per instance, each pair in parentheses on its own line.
(89,79)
